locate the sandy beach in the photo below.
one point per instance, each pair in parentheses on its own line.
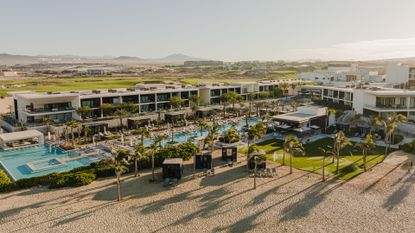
(381,200)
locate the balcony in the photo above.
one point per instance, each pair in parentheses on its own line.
(387,107)
(49,110)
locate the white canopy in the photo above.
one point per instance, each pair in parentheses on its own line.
(21,135)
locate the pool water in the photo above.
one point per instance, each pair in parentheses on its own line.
(185,137)
(39,160)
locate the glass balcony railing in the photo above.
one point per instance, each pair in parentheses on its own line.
(46,110)
(388,106)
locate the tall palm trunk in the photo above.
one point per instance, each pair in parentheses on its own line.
(247,157)
(291,162)
(255,175)
(152,166)
(364,159)
(337,162)
(135,167)
(118,174)
(322,172)
(283,155)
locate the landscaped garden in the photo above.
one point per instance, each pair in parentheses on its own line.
(351,159)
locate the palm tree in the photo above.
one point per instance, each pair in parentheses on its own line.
(340,141)
(119,163)
(195,101)
(47,120)
(144,132)
(202,126)
(368,144)
(292,145)
(224,99)
(83,111)
(139,153)
(284,87)
(260,158)
(325,153)
(72,124)
(294,105)
(255,132)
(251,98)
(234,98)
(176,102)
(86,130)
(121,113)
(153,149)
(293,85)
(389,125)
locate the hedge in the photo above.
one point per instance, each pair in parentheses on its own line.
(5,182)
(72,180)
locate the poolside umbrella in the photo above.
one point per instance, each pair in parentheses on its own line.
(122,138)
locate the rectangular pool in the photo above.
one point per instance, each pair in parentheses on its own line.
(39,160)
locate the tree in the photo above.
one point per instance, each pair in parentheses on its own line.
(259,158)
(195,101)
(234,98)
(86,130)
(293,85)
(124,110)
(255,132)
(153,149)
(340,141)
(294,105)
(139,154)
(72,125)
(47,120)
(176,102)
(389,125)
(368,144)
(251,98)
(224,99)
(144,132)
(119,163)
(84,112)
(325,153)
(202,126)
(284,87)
(292,145)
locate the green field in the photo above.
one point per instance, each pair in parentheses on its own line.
(350,161)
(88,83)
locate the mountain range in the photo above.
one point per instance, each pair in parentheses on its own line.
(173,59)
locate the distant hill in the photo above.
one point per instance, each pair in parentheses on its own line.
(10,59)
(174,59)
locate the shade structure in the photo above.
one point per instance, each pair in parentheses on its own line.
(172,168)
(14,137)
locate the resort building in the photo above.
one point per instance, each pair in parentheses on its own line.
(32,107)
(368,100)
(400,75)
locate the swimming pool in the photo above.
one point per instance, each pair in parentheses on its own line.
(40,160)
(185,137)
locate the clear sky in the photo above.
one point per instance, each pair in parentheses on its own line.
(215,29)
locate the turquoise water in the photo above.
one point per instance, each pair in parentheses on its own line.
(43,160)
(186,137)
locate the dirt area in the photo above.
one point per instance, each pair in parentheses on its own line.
(5,103)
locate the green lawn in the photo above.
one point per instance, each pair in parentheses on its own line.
(350,160)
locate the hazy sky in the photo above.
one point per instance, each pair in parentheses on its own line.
(214,29)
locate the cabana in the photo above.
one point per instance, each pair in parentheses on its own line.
(96,127)
(204,160)
(176,116)
(172,168)
(21,139)
(230,154)
(144,120)
(206,111)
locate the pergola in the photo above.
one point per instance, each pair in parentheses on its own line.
(21,138)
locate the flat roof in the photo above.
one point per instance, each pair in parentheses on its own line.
(295,117)
(20,135)
(177,112)
(173,161)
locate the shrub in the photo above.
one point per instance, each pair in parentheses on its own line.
(407,147)
(34,181)
(5,182)
(72,180)
(104,172)
(397,138)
